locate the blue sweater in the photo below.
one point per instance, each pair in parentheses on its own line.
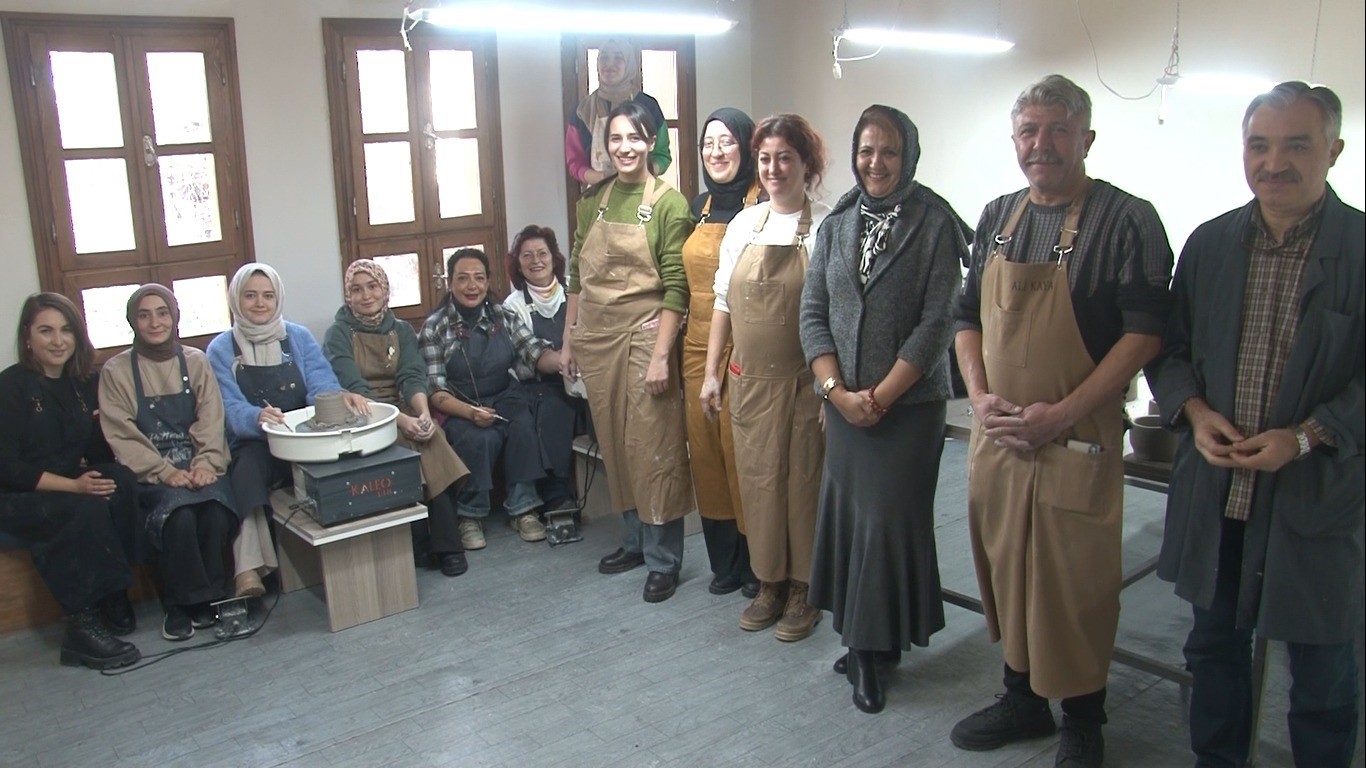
(239,414)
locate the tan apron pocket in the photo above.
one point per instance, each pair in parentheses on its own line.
(1008,340)
(765,302)
(1069,480)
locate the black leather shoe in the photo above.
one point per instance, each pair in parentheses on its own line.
(621,561)
(88,643)
(117,613)
(724,584)
(885,658)
(454,564)
(863,675)
(660,586)
(749,586)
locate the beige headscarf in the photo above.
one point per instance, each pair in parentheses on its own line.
(259,342)
(595,107)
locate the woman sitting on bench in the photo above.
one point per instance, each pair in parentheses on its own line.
(61,494)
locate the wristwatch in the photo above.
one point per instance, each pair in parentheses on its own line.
(1302,437)
(827,386)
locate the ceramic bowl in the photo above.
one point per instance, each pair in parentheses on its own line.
(377,433)
(1151,440)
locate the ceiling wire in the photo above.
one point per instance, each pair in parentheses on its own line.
(1173,60)
(1314,57)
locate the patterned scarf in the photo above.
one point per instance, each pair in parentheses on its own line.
(373,269)
(876,227)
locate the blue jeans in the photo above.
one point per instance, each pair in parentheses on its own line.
(1323,689)
(662,545)
(521,498)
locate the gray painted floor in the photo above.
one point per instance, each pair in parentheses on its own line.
(534,659)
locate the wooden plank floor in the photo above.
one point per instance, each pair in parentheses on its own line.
(534,659)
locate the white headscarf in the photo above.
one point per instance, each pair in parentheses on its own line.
(259,342)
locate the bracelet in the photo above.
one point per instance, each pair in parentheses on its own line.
(872,400)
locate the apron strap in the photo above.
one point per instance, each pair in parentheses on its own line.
(1066,238)
(803,223)
(752,196)
(706,210)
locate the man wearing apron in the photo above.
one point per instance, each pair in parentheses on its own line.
(1065,301)
(615,325)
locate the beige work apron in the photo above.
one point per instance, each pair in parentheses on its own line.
(642,437)
(774,408)
(1046,525)
(376,356)
(711,449)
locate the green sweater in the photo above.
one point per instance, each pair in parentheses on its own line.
(668,228)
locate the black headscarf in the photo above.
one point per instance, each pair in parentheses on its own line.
(728,199)
(168,348)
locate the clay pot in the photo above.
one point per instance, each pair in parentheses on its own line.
(1151,440)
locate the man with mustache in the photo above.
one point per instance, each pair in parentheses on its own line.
(1065,300)
(1261,373)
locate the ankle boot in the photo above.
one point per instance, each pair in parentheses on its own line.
(885,658)
(863,675)
(88,642)
(799,617)
(766,607)
(117,612)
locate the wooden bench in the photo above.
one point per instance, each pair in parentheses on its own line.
(24,600)
(365,566)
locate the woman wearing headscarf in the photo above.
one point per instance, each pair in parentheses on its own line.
(728,162)
(376,356)
(627,296)
(265,368)
(61,494)
(585,142)
(163,417)
(536,268)
(875,325)
(774,411)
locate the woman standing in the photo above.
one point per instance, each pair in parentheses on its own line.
(731,187)
(535,268)
(627,295)
(163,416)
(377,357)
(774,409)
(471,348)
(61,494)
(875,324)
(265,368)
(585,140)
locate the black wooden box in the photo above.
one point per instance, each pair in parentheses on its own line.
(346,489)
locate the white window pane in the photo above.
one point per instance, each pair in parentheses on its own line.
(106,315)
(189,195)
(457,177)
(592,69)
(87,99)
(452,75)
(383,81)
(389,182)
(405,278)
(660,76)
(671,175)
(101,209)
(180,97)
(203,305)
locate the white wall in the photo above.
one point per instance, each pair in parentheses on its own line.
(777,59)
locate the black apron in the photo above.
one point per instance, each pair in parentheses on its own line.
(166,420)
(559,415)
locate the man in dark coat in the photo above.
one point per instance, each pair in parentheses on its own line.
(1262,374)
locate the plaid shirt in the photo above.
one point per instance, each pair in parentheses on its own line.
(1270,320)
(445,332)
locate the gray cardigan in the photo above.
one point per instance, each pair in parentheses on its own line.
(905,310)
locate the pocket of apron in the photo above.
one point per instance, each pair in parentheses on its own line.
(765,302)
(1068,480)
(1010,343)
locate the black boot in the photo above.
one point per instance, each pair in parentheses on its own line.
(88,642)
(117,612)
(863,675)
(885,658)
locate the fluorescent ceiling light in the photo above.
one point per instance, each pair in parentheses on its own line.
(943,42)
(514,17)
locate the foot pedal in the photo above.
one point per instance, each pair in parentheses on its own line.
(562,525)
(236,618)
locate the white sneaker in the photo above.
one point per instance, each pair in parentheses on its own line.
(528,527)
(471,533)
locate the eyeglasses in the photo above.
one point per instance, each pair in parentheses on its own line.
(725,144)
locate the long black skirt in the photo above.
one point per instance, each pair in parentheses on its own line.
(874,566)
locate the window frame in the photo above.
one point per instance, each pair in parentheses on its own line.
(128,39)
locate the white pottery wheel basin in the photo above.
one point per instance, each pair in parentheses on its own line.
(379,432)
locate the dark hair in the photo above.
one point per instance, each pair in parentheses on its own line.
(798,133)
(465,253)
(533,232)
(82,362)
(641,120)
(1291,91)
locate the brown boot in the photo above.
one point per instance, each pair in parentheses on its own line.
(764,609)
(799,617)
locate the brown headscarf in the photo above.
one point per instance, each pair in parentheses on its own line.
(373,269)
(168,348)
